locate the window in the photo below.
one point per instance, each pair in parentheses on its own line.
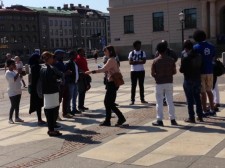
(56,32)
(52,43)
(12,28)
(128,24)
(190,18)
(51,23)
(27,28)
(56,23)
(2,27)
(19,28)
(158,21)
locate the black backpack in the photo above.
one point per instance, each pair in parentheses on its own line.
(218,68)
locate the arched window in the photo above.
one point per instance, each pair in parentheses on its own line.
(20,39)
(27,28)
(12,28)
(19,28)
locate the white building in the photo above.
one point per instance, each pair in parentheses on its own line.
(153,20)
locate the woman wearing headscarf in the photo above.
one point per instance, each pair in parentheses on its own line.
(36,101)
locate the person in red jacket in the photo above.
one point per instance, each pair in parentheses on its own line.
(84,79)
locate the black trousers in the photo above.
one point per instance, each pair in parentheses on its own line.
(81,98)
(15,105)
(51,116)
(109,102)
(140,77)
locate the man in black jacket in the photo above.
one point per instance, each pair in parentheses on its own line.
(191,64)
(71,78)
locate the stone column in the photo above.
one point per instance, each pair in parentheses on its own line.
(212,19)
(204,16)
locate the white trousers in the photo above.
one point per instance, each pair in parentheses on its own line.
(160,90)
(216,94)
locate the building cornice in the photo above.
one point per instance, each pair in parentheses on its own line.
(125,6)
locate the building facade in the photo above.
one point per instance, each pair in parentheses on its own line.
(151,21)
(19,31)
(24,29)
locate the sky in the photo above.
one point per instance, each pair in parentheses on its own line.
(100,5)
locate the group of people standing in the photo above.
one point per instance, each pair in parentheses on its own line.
(55,81)
(197,65)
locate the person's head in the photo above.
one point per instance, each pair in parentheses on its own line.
(109,51)
(34,59)
(72,55)
(81,52)
(137,45)
(188,45)
(161,48)
(8,56)
(165,42)
(59,54)
(199,36)
(17,58)
(10,64)
(48,57)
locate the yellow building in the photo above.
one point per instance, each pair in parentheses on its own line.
(153,20)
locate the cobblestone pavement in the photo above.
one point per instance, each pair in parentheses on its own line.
(85,144)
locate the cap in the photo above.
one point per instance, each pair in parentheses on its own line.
(59,51)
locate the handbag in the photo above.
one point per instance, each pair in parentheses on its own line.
(118,79)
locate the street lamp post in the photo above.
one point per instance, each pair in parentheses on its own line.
(182,19)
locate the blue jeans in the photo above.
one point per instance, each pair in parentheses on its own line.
(72,95)
(192,91)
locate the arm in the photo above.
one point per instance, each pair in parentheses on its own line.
(105,68)
(174,69)
(153,73)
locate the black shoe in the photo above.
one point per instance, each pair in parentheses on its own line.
(216,109)
(76,112)
(199,119)
(173,122)
(212,113)
(144,102)
(190,120)
(158,123)
(105,123)
(116,104)
(85,108)
(120,122)
(54,133)
(131,103)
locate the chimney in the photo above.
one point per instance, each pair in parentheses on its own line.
(87,6)
(71,6)
(79,5)
(65,6)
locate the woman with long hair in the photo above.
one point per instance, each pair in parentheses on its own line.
(110,68)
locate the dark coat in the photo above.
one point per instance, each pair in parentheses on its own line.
(35,101)
(70,65)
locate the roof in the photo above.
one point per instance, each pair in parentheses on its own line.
(51,10)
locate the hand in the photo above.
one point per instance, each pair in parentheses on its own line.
(88,72)
(68,72)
